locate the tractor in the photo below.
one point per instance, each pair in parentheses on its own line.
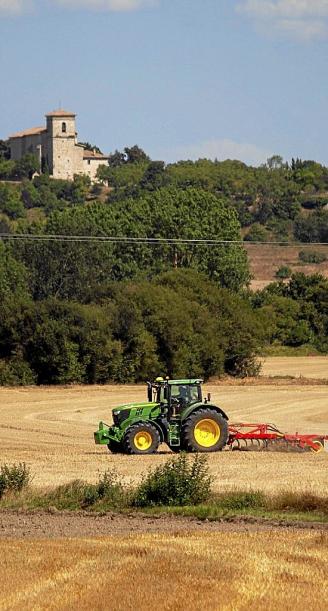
(175,414)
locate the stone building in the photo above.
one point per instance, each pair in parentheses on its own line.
(57,148)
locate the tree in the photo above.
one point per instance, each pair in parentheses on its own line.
(10,202)
(4,150)
(276,162)
(155,176)
(27,166)
(90,147)
(13,275)
(313,228)
(135,154)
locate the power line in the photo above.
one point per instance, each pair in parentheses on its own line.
(145,240)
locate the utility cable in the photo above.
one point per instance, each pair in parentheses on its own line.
(145,240)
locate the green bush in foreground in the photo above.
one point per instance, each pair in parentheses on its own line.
(80,495)
(14,477)
(180,481)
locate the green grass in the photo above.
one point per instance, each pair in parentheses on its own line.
(213,513)
(76,496)
(181,487)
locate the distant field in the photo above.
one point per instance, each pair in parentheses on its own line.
(227,571)
(265,260)
(301,366)
(51,429)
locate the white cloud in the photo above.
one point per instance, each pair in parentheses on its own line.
(303,19)
(108,5)
(14,6)
(221,150)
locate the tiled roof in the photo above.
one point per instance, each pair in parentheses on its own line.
(34,131)
(93,155)
(60,113)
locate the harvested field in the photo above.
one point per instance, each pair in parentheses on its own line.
(225,570)
(266,259)
(51,429)
(301,366)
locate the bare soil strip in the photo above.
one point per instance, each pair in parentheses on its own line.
(55,524)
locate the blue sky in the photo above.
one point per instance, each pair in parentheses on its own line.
(239,79)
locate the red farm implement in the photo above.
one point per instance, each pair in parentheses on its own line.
(245,436)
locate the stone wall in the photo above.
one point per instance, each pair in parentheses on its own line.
(90,167)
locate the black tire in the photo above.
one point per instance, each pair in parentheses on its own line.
(115,447)
(189,429)
(176,449)
(145,431)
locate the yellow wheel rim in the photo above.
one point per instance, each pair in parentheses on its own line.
(207,433)
(318,447)
(143,441)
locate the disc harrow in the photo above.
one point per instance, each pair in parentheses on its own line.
(267,437)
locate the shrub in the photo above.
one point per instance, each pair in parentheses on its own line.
(110,489)
(180,481)
(242,500)
(311,256)
(299,501)
(71,495)
(283,272)
(14,477)
(257,233)
(16,372)
(77,494)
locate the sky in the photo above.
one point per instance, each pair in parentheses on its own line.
(183,79)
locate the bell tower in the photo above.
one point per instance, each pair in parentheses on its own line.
(64,158)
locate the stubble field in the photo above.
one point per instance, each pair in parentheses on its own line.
(226,571)
(173,564)
(51,429)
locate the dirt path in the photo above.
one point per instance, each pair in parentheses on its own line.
(54,525)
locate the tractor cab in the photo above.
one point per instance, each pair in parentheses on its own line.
(176,395)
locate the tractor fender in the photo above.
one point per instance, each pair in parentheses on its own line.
(153,423)
(194,408)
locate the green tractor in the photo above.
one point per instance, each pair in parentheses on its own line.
(175,414)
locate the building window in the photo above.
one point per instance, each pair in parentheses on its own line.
(89,161)
(64,128)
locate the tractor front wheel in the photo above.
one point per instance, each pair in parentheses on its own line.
(141,439)
(204,431)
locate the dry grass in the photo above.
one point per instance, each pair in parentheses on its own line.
(265,260)
(226,571)
(51,430)
(301,366)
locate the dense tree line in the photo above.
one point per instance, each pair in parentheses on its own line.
(296,311)
(97,312)
(179,324)
(276,200)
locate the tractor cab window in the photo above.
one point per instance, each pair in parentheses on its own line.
(186,393)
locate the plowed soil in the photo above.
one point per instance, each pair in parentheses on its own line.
(51,429)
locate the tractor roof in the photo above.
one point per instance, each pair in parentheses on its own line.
(189,381)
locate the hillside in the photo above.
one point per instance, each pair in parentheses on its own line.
(266,260)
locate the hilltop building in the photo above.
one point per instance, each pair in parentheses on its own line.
(57,148)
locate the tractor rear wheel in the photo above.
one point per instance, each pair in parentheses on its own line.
(141,438)
(115,447)
(204,431)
